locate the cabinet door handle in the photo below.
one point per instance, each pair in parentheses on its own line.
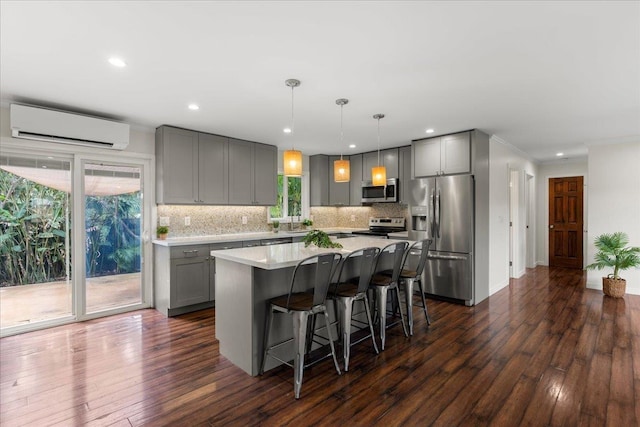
(195,251)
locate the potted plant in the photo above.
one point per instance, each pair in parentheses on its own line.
(613,252)
(276,225)
(307,222)
(162,232)
(320,239)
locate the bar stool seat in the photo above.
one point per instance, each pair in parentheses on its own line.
(306,298)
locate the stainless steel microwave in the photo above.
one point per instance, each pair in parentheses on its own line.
(380,193)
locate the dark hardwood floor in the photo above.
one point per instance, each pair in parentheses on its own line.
(544,351)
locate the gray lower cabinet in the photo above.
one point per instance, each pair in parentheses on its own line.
(253,173)
(355,184)
(388,159)
(191,167)
(404,162)
(184,277)
(338,191)
(190,277)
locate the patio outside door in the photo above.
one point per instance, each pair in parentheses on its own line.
(113,215)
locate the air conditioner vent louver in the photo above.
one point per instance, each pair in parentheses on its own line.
(56,126)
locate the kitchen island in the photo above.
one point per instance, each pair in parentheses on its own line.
(246,278)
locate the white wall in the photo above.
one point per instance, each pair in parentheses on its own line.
(555,170)
(502,158)
(614,202)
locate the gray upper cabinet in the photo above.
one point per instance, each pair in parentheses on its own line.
(404,157)
(213,164)
(445,155)
(388,159)
(265,178)
(338,191)
(319,180)
(253,171)
(355,184)
(176,166)
(191,167)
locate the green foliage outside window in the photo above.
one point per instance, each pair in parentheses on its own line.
(292,193)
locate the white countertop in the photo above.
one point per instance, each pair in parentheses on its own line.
(241,237)
(288,255)
(399,235)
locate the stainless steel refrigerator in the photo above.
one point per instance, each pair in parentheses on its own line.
(442,209)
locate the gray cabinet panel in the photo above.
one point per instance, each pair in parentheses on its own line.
(240,172)
(176,166)
(445,155)
(189,281)
(253,173)
(388,159)
(355,185)
(455,154)
(338,191)
(213,163)
(426,157)
(404,164)
(265,174)
(369,160)
(319,182)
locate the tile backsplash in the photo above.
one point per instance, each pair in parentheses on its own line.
(211,220)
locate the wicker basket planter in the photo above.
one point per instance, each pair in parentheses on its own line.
(614,287)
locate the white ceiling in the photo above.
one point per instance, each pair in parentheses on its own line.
(543,76)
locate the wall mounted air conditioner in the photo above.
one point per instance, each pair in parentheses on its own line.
(56,126)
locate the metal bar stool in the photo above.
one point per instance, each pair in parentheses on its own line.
(302,302)
(353,282)
(382,283)
(415,257)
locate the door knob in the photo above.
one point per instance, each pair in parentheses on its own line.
(551,226)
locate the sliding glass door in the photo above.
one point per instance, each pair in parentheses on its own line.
(35,244)
(113,215)
(73,238)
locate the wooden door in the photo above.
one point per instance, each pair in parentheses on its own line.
(565,222)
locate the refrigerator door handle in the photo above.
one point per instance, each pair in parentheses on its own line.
(447,257)
(432,221)
(437,233)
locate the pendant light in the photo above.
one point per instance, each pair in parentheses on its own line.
(341,168)
(292,160)
(379,173)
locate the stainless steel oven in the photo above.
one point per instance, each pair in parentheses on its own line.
(381,227)
(380,193)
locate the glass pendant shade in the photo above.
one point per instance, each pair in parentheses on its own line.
(341,171)
(292,163)
(379,175)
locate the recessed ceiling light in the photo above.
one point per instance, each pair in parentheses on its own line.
(194,107)
(559,154)
(117,62)
(429,130)
(352,145)
(286,130)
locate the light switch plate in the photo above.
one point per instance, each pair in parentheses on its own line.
(164,220)
(244,220)
(187,220)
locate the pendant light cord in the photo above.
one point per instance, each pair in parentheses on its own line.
(378,141)
(341,131)
(292,117)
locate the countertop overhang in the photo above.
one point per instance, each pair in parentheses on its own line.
(241,237)
(288,255)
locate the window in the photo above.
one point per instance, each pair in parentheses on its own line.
(293,200)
